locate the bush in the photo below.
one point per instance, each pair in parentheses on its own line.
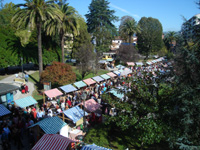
(58,74)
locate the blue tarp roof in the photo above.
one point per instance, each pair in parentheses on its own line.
(93,147)
(80,84)
(50,125)
(105,76)
(98,78)
(68,88)
(116,93)
(25,102)
(75,113)
(3,110)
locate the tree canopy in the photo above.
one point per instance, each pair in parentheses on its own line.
(100,24)
(150,35)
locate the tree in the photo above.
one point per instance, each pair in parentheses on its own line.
(58,74)
(67,23)
(33,14)
(127,53)
(99,21)
(128,27)
(138,111)
(85,56)
(82,38)
(150,36)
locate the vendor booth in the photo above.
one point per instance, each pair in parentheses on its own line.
(68,88)
(53,93)
(89,81)
(50,125)
(80,84)
(4,111)
(53,142)
(117,72)
(105,76)
(91,105)
(25,102)
(126,72)
(130,63)
(93,147)
(111,74)
(98,79)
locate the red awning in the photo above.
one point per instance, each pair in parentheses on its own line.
(53,93)
(89,81)
(111,74)
(52,142)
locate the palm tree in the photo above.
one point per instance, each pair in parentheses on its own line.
(66,24)
(128,27)
(171,37)
(34,13)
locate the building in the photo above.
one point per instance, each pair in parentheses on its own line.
(188,28)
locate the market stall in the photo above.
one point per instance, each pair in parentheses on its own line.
(50,125)
(80,84)
(3,110)
(105,76)
(25,102)
(126,72)
(130,63)
(53,142)
(111,74)
(91,105)
(98,79)
(117,72)
(68,88)
(53,93)
(93,147)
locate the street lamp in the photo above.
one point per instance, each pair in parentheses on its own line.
(83,96)
(22,67)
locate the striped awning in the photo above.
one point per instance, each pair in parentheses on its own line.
(111,74)
(91,105)
(105,76)
(74,113)
(98,79)
(53,93)
(52,142)
(3,110)
(93,147)
(80,84)
(68,88)
(50,125)
(116,93)
(25,102)
(130,63)
(89,81)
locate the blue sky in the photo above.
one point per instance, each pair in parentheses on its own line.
(168,12)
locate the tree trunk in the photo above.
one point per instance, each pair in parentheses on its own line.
(39,38)
(62,46)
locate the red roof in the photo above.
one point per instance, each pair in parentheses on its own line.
(52,142)
(89,81)
(53,93)
(111,74)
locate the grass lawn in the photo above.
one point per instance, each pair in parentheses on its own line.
(3,76)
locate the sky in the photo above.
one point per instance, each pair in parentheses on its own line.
(170,13)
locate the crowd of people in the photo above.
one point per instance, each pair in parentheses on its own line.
(15,127)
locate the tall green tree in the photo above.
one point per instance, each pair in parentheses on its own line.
(150,35)
(100,24)
(170,37)
(33,14)
(128,27)
(66,24)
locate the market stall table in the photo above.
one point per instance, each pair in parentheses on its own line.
(93,147)
(74,133)
(111,74)
(3,110)
(68,88)
(105,76)
(89,81)
(98,79)
(52,93)
(80,84)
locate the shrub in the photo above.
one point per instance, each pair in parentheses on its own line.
(58,74)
